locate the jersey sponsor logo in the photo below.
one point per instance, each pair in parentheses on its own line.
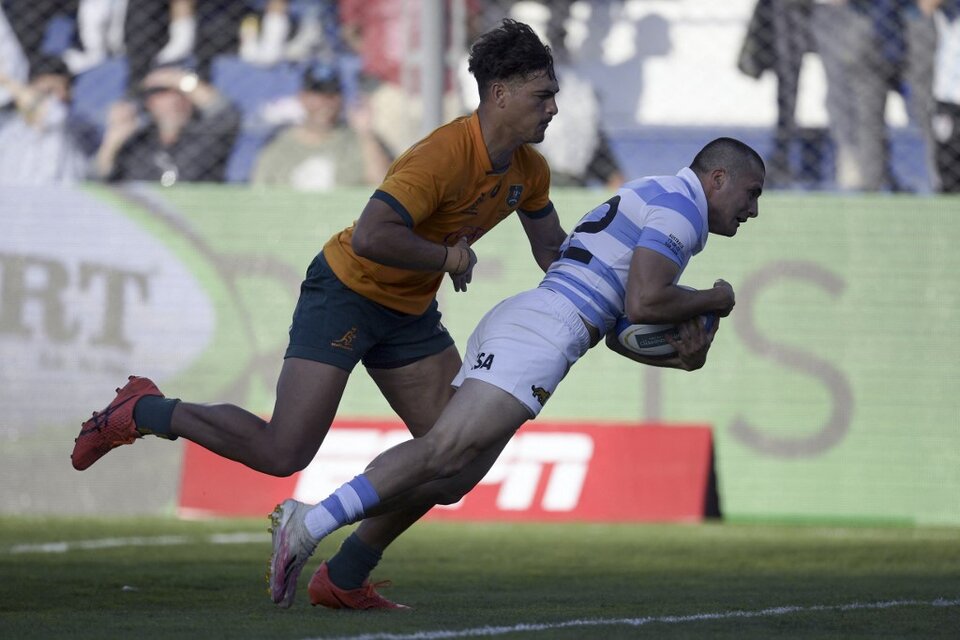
(346,342)
(675,245)
(541,394)
(484,361)
(513,194)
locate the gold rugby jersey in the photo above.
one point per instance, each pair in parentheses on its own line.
(444,188)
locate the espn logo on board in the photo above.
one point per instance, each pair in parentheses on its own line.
(556,461)
(548,472)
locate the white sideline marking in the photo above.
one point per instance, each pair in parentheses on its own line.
(154,541)
(637,622)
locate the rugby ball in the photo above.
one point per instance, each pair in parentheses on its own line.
(650,340)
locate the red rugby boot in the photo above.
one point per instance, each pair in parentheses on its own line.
(323,592)
(113,426)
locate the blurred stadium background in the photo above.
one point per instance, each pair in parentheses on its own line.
(831,394)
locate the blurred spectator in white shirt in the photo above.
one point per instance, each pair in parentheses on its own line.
(40,143)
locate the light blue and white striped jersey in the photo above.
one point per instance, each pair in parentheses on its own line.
(667,214)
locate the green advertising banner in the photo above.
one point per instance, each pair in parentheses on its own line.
(833,389)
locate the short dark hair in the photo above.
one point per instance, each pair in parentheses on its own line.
(511,50)
(727,153)
(49,66)
(321,78)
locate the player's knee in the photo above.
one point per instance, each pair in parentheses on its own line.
(453,462)
(443,457)
(282,463)
(447,498)
(450,494)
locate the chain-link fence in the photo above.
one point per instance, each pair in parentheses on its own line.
(860,95)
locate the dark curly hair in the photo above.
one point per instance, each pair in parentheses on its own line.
(511,50)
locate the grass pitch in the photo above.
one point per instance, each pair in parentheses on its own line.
(164,578)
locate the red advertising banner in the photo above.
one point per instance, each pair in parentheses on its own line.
(548,472)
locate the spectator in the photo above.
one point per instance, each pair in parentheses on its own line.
(31,20)
(946,89)
(575,145)
(915,82)
(13,62)
(579,152)
(386,36)
(290,30)
(260,31)
(99,34)
(322,152)
(40,143)
(263,38)
(869,47)
(155,32)
(186,133)
(777,38)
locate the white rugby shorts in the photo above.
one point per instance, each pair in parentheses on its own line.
(525,345)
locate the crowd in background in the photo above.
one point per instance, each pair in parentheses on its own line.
(340,98)
(868,49)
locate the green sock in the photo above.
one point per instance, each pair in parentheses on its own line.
(153,416)
(353,563)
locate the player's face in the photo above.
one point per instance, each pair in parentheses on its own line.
(52,84)
(531,104)
(733,200)
(322,108)
(169,107)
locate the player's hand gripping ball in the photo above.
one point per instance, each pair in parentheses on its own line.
(650,340)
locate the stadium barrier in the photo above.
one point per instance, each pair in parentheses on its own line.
(548,472)
(831,391)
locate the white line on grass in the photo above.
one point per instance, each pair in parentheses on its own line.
(152,541)
(637,622)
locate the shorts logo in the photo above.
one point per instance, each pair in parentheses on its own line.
(541,394)
(513,194)
(484,361)
(346,342)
